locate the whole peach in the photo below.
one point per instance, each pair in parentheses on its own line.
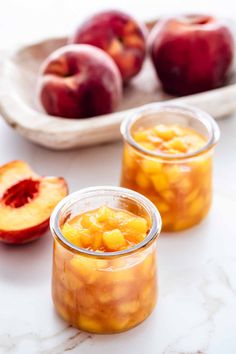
(120,35)
(79,81)
(191,53)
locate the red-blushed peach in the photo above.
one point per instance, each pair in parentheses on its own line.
(191,53)
(26,202)
(79,81)
(120,35)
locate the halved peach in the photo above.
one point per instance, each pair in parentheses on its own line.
(26,202)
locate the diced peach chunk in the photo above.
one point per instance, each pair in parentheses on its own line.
(71,234)
(86,238)
(113,240)
(85,268)
(173,173)
(119,324)
(151,166)
(160,182)
(89,324)
(164,132)
(142,180)
(129,307)
(141,136)
(168,195)
(176,144)
(104,213)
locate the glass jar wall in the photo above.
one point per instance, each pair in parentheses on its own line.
(104,292)
(180,185)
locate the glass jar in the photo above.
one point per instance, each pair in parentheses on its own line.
(179,185)
(104,292)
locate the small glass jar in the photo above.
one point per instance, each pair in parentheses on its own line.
(180,185)
(104,292)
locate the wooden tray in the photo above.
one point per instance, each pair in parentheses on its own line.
(18,72)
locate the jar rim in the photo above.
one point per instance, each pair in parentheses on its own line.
(152,108)
(72,198)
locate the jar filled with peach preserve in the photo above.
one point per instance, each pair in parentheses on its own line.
(104,261)
(168,158)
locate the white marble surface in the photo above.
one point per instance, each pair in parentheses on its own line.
(196,312)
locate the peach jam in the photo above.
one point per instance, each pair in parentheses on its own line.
(168,158)
(105,230)
(104,261)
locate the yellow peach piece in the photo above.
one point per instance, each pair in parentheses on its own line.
(128,307)
(104,213)
(146,293)
(192,196)
(72,282)
(185,185)
(136,225)
(173,173)
(113,240)
(142,180)
(89,324)
(124,275)
(85,268)
(141,136)
(71,234)
(129,158)
(85,221)
(176,144)
(120,291)
(168,195)
(105,297)
(196,206)
(160,182)
(119,324)
(85,237)
(89,222)
(97,240)
(151,166)
(162,206)
(165,132)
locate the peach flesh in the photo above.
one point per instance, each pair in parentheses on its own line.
(26,202)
